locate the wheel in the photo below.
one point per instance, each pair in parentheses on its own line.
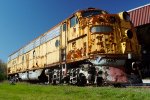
(99,81)
(54,82)
(81,80)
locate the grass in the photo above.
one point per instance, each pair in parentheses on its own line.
(26,91)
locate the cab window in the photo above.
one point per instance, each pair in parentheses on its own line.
(73,21)
(93,13)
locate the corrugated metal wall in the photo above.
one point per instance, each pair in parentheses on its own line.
(140,15)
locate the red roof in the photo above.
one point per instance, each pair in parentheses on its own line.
(141,15)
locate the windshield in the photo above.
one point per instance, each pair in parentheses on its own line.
(101,29)
(93,12)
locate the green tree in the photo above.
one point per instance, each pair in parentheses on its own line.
(3,70)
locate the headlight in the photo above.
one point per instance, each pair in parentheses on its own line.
(129,34)
(124,16)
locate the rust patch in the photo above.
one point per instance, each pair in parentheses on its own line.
(74,54)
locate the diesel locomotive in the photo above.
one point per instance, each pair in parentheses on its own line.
(89,47)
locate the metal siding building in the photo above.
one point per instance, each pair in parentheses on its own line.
(140,18)
(140,15)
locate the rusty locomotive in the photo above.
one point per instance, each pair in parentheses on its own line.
(90,47)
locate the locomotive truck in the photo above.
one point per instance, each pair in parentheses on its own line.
(89,47)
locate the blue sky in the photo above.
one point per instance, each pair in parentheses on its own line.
(23,20)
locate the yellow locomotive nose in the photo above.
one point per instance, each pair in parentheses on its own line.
(112,34)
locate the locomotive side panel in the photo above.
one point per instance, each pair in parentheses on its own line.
(36,57)
(53,51)
(12,66)
(19,63)
(63,35)
(77,49)
(53,45)
(30,59)
(23,64)
(9,67)
(77,39)
(42,55)
(63,41)
(26,61)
